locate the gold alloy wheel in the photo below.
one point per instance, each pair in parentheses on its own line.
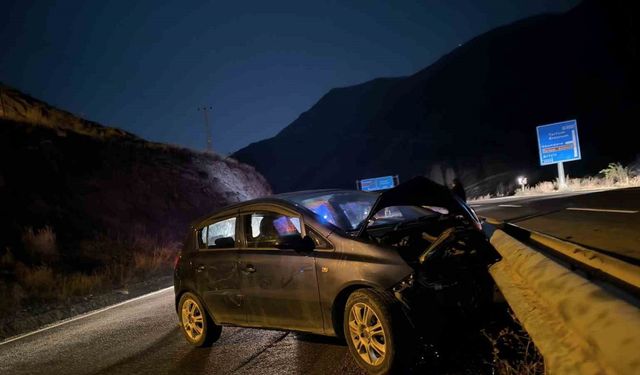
(192,319)
(367,334)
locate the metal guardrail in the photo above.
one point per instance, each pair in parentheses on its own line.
(580,326)
(618,269)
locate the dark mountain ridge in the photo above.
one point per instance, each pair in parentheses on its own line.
(473,113)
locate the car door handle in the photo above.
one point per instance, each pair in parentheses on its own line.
(200,268)
(249,269)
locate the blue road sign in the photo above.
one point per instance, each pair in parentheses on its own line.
(558,142)
(377,183)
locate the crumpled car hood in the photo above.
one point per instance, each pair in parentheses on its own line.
(419,191)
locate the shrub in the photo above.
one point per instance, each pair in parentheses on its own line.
(7,261)
(115,263)
(145,263)
(12,295)
(540,188)
(514,353)
(97,253)
(616,173)
(142,241)
(38,282)
(481,197)
(117,275)
(80,285)
(161,259)
(41,245)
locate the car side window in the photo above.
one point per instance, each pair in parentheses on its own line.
(264,229)
(218,235)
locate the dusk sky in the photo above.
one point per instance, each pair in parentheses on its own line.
(145,66)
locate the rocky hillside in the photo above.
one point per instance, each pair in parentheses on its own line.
(85,180)
(473,113)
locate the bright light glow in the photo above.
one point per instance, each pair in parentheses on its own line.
(522,180)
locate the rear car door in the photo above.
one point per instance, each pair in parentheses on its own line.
(216,270)
(280,285)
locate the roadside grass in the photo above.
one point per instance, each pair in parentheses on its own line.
(481,197)
(513,352)
(496,343)
(40,245)
(39,282)
(24,108)
(40,275)
(580,184)
(80,285)
(614,176)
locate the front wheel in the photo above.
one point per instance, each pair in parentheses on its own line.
(197,326)
(375,331)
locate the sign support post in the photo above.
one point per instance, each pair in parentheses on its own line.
(562,184)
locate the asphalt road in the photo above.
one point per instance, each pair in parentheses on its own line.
(142,336)
(607,220)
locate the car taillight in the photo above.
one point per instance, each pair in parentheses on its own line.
(177,261)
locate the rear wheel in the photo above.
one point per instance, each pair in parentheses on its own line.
(375,331)
(197,326)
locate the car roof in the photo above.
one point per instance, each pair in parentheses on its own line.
(282,198)
(312,192)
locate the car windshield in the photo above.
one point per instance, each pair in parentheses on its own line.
(348,209)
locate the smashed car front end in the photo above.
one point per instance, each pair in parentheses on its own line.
(447,251)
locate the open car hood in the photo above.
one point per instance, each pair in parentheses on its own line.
(419,191)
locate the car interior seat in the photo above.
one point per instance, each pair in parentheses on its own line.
(268,233)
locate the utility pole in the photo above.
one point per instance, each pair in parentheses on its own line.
(207,128)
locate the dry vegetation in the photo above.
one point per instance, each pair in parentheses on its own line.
(41,244)
(614,176)
(36,273)
(513,352)
(17,106)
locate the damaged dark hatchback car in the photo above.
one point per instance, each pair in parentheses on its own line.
(383,270)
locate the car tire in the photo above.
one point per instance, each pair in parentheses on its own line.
(377,348)
(196,324)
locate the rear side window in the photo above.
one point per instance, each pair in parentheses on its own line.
(219,235)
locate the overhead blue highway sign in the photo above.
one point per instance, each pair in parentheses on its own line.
(558,142)
(377,183)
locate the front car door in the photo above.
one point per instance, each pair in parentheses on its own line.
(280,285)
(216,269)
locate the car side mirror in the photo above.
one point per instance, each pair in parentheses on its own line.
(296,242)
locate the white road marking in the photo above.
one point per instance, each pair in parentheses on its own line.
(86,315)
(601,210)
(509,205)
